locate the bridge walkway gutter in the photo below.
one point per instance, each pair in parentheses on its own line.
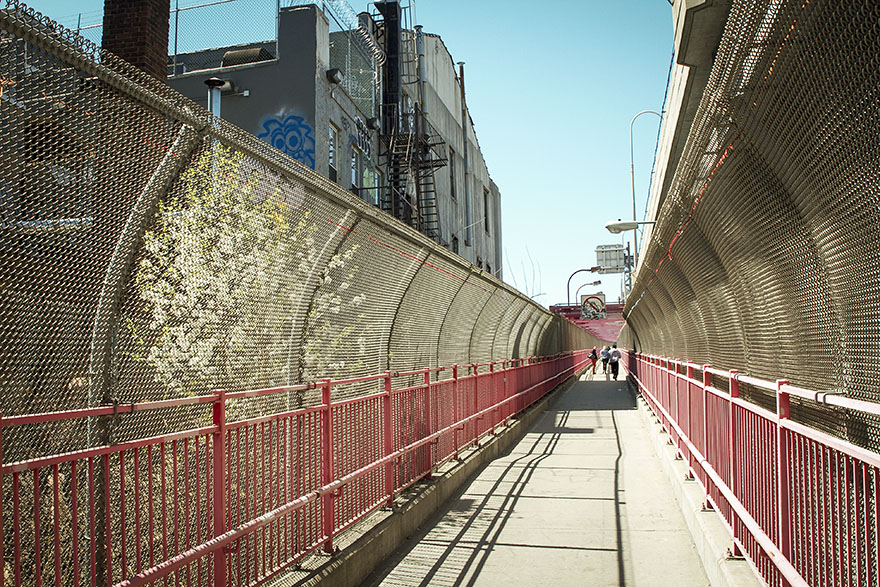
(582,499)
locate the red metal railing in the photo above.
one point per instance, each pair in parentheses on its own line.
(236,502)
(803,505)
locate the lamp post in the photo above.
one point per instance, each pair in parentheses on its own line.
(578,290)
(618,226)
(632,172)
(568,285)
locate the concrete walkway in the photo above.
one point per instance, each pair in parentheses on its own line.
(581,500)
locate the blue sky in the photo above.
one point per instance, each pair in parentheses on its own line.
(551,87)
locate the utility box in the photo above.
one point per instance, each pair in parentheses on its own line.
(611,258)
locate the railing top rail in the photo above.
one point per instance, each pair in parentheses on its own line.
(832,398)
(78,455)
(828,398)
(130,408)
(109,410)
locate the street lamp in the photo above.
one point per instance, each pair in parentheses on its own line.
(632,172)
(578,290)
(568,285)
(618,226)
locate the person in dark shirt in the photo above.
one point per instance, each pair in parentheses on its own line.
(614,361)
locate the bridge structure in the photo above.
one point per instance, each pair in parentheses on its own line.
(215,363)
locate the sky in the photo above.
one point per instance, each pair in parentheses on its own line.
(551,88)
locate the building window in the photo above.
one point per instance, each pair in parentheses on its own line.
(370,182)
(451,173)
(486,209)
(333,153)
(455,244)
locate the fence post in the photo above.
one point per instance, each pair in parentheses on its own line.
(476,403)
(327,503)
(455,417)
(493,395)
(429,450)
(689,428)
(731,447)
(219,487)
(389,466)
(707,382)
(783,494)
(505,390)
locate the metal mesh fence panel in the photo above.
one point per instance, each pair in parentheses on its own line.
(149,253)
(765,252)
(198,26)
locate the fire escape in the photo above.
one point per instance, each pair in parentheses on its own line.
(411,148)
(414,152)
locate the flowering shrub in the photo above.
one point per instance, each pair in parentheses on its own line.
(222,277)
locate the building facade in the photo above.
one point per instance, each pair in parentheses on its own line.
(378,108)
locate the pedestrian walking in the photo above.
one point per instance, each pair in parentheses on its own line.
(593,356)
(614,361)
(605,355)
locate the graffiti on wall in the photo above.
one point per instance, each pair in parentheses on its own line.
(293,136)
(363,137)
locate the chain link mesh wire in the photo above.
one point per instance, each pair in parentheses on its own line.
(766,252)
(197,27)
(150,252)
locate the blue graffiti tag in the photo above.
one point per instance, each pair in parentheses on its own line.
(291,136)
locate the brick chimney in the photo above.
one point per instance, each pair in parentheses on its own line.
(137,31)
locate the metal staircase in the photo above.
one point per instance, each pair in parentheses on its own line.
(414,153)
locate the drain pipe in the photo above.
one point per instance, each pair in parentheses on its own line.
(467,169)
(420,50)
(214,84)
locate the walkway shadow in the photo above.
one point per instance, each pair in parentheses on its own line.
(487,517)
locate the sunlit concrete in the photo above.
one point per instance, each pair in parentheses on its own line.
(581,500)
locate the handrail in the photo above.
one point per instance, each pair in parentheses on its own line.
(828,398)
(130,408)
(167,567)
(256,460)
(777,483)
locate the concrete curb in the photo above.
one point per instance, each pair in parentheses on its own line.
(711,537)
(354,563)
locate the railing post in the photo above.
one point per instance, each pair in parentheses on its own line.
(731,446)
(389,466)
(783,494)
(455,416)
(429,451)
(219,484)
(707,382)
(688,428)
(327,500)
(476,403)
(505,390)
(493,395)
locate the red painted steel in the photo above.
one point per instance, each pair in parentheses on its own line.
(237,502)
(802,505)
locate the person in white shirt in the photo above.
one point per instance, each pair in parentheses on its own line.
(614,360)
(605,355)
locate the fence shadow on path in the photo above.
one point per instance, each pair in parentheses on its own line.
(453,547)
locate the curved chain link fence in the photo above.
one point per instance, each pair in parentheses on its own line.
(766,252)
(148,252)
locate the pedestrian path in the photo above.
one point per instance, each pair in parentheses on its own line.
(581,500)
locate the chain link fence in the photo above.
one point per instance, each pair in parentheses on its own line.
(766,252)
(150,252)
